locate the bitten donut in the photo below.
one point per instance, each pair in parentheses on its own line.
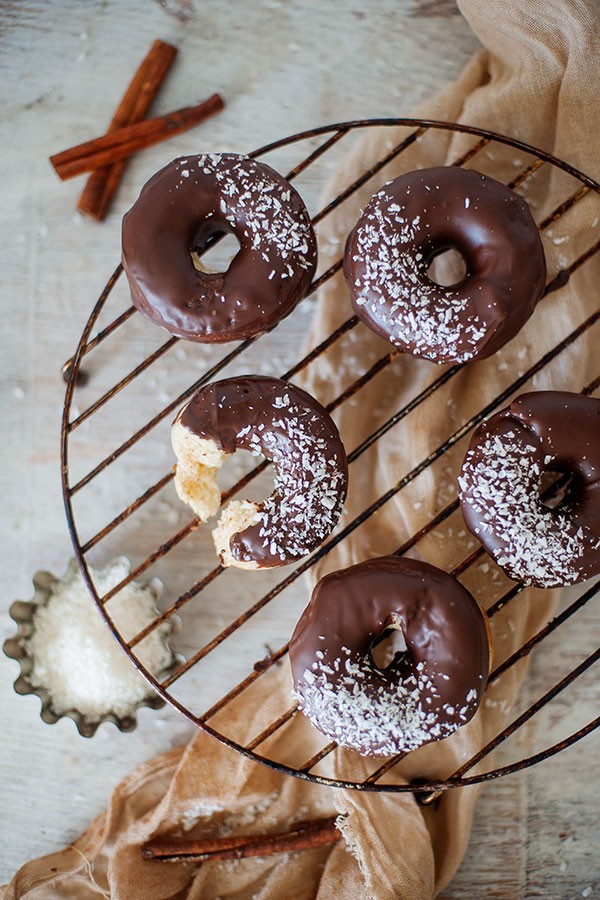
(430,689)
(273,418)
(500,488)
(412,220)
(184,206)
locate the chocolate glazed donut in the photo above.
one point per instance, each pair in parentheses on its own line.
(182,208)
(411,221)
(429,691)
(274,418)
(500,488)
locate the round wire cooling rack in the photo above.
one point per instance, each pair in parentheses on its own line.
(155,550)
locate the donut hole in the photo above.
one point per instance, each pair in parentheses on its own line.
(447,267)
(237,467)
(214,253)
(388,648)
(554,486)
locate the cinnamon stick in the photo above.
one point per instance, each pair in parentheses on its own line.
(120,144)
(303,837)
(102,184)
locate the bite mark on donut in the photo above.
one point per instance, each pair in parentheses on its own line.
(198,461)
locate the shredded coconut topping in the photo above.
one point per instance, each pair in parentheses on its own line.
(364,712)
(271,216)
(499,482)
(391,280)
(310,479)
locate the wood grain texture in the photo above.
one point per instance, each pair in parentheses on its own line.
(281,67)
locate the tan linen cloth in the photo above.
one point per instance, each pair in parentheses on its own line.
(536,80)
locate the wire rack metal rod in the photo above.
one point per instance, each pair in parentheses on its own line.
(170,408)
(566,205)
(432,791)
(525,716)
(273,727)
(108,330)
(318,757)
(470,154)
(554,623)
(537,757)
(526,173)
(128,511)
(95,406)
(312,157)
(501,602)
(437,125)
(366,176)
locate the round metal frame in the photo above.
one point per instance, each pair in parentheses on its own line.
(426,790)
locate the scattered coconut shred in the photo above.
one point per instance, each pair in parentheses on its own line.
(75,657)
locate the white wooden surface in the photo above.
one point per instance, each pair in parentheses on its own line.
(282,67)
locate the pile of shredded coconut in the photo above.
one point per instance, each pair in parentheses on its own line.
(309,484)
(393,283)
(75,657)
(383,719)
(500,484)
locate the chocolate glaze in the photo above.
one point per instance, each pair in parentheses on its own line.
(279,420)
(541,431)
(411,221)
(184,206)
(444,668)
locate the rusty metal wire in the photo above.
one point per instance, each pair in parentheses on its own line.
(427,791)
